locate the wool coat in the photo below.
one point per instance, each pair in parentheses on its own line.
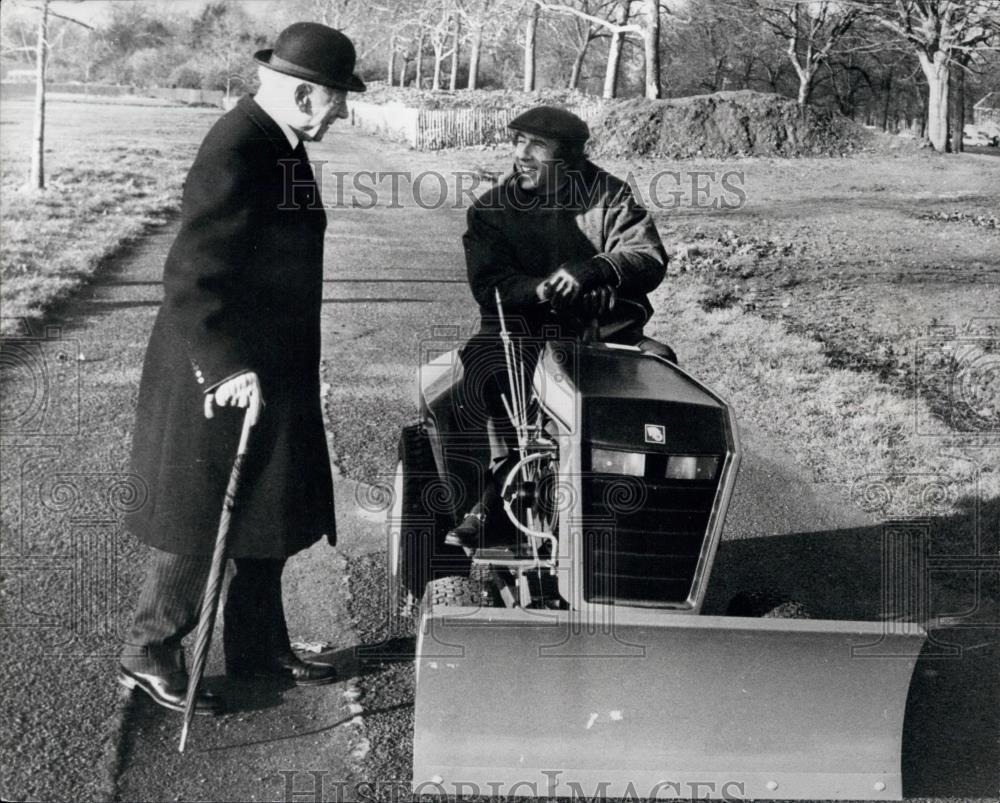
(242,292)
(515,238)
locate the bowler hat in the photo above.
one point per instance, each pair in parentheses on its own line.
(551,122)
(314,53)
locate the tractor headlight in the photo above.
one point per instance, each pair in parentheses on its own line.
(609,461)
(691,467)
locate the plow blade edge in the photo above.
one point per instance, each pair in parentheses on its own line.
(535,703)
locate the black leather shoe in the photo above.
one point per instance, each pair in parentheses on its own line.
(289,667)
(169,690)
(467,534)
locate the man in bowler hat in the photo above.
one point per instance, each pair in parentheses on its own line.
(240,318)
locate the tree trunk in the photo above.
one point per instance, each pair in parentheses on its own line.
(581,54)
(651,44)
(886,87)
(474,54)
(958,110)
(390,72)
(438,58)
(420,61)
(529,50)
(936,72)
(805,88)
(453,83)
(37,178)
(615,53)
(402,71)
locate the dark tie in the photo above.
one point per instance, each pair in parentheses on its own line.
(300,153)
(311,193)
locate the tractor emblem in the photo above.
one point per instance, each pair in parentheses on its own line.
(655,433)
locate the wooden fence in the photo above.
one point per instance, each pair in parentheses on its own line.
(392,120)
(431,129)
(450,128)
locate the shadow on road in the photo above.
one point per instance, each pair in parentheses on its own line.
(942,572)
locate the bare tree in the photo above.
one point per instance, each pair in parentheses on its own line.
(586,33)
(41,47)
(438,32)
(958,106)
(477,15)
(418,79)
(938,32)
(224,31)
(812,29)
(456,45)
(651,46)
(724,46)
(530,31)
(344,15)
(647,28)
(613,68)
(37,176)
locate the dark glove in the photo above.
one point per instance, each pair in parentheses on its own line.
(596,302)
(573,279)
(590,273)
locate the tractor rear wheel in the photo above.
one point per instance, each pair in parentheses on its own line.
(415,530)
(469,591)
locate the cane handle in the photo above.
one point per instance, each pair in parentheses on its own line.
(249,419)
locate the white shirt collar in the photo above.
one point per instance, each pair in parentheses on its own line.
(293,138)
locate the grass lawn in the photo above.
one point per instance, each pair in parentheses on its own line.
(857,299)
(111,170)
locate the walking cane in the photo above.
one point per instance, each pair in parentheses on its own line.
(213,587)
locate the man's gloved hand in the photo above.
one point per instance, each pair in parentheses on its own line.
(596,302)
(560,289)
(572,278)
(234,392)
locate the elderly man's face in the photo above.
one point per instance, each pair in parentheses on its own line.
(322,106)
(536,161)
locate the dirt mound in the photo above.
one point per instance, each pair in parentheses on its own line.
(725,124)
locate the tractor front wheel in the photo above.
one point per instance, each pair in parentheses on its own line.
(766,605)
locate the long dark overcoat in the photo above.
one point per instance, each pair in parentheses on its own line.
(242,291)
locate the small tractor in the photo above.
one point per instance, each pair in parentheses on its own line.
(567,655)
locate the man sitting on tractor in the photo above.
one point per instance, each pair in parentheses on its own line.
(561,243)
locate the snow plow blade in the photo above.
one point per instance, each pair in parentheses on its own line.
(514,702)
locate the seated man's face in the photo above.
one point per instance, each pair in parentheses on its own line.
(536,161)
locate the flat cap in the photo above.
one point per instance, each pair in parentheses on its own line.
(551,122)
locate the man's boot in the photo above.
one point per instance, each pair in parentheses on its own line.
(468,534)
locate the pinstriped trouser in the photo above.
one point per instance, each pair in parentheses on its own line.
(170,603)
